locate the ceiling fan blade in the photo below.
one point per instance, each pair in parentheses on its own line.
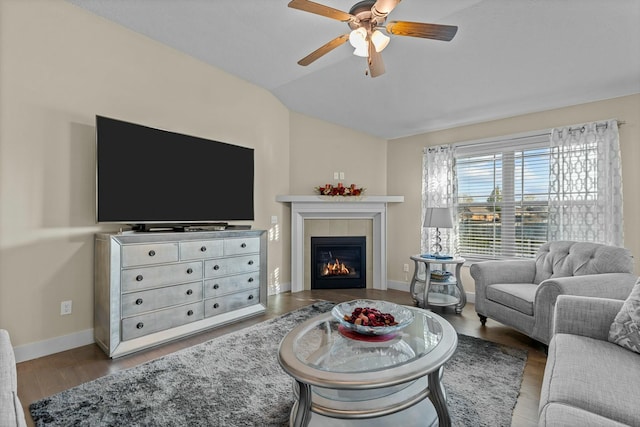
(320,9)
(376,64)
(382,7)
(326,48)
(426,31)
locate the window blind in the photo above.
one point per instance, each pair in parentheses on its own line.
(502,197)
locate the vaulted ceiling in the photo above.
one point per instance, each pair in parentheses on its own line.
(509,57)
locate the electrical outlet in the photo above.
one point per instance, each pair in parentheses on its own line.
(65,307)
(274,219)
(341,175)
(335,175)
(405,268)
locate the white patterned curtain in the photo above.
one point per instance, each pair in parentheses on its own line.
(439,191)
(585,184)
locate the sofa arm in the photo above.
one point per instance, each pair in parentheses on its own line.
(508,271)
(586,316)
(487,273)
(607,285)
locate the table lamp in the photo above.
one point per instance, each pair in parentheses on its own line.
(438,218)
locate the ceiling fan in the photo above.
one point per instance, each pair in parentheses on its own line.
(366,20)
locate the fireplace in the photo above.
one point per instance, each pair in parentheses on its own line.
(338,262)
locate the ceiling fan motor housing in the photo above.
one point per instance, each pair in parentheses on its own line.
(363,11)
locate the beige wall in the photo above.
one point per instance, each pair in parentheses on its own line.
(319,148)
(59,67)
(405,164)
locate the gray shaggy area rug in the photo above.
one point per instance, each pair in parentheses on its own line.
(235,380)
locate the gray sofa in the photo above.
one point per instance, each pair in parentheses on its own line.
(588,381)
(522,293)
(11,413)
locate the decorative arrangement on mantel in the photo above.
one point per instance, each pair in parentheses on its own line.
(340,190)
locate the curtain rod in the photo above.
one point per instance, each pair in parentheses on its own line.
(604,124)
(525,135)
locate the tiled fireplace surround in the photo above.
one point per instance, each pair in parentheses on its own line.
(341,216)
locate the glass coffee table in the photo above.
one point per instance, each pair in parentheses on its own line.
(343,378)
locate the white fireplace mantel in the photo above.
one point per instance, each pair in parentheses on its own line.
(339,207)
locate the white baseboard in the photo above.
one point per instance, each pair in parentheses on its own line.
(53,345)
(281,288)
(398,286)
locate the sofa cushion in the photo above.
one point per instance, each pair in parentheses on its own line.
(519,296)
(625,329)
(594,375)
(560,415)
(566,258)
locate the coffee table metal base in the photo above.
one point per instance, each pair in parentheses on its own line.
(404,404)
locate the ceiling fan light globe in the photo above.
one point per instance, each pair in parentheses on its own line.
(358,38)
(362,51)
(379,40)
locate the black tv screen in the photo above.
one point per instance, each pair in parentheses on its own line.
(147,175)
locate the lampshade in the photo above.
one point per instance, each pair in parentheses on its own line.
(379,40)
(438,218)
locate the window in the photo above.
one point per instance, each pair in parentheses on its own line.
(502,197)
(511,194)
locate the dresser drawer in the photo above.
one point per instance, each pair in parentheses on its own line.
(153,299)
(235,265)
(145,324)
(147,254)
(200,249)
(149,277)
(231,284)
(215,306)
(241,246)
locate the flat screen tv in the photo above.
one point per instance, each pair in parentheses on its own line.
(151,176)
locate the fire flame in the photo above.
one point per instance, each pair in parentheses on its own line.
(335,269)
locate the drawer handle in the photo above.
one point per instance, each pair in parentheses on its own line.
(250,262)
(216,305)
(203,249)
(250,279)
(152,252)
(140,325)
(189,270)
(139,278)
(216,286)
(244,245)
(189,291)
(190,313)
(250,296)
(139,301)
(216,267)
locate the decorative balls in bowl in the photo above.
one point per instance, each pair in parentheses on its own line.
(372,317)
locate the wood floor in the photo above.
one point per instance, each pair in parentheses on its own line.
(45,376)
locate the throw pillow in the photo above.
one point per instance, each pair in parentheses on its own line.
(625,329)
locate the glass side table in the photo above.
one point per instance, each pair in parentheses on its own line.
(343,379)
(428,292)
